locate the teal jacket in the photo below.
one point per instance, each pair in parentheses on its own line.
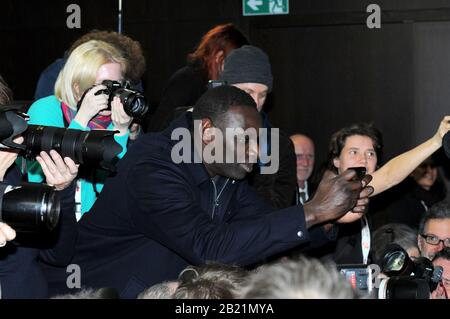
(47,111)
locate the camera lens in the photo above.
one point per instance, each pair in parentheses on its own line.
(134,103)
(404,288)
(96,147)
(29,207)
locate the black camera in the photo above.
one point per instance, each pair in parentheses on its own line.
(360,172)
(134,103)
(407,278)
(95,147)
(29,207)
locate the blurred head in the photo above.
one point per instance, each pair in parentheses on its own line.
(214,46)
(358,145)
(248,68)
(297,279)
(88,64)
(399,234)
(164,290)
(130,49)
(434,230)
(223,108)
(210,281)
(6,95)
(304,151)
(425,174)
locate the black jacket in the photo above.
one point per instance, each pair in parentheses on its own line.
(278,188)
(155,217)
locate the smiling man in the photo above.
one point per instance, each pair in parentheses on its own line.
(156,216)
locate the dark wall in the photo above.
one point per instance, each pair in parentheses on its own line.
(330,69)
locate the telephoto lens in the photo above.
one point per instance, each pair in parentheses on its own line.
(29,207)
(96,148)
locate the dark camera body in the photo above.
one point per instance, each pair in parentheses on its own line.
(134,103)
(360,172)
(408,279)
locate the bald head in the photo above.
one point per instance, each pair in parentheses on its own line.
(304,151)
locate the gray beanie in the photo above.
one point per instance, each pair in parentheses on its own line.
(247,64)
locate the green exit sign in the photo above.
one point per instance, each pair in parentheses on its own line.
(265,7)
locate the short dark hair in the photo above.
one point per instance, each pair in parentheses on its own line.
(443,254)
(339,138)
(215,103)
(6,95)
(399,234)
(439,210)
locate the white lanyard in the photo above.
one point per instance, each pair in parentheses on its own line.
(78,200)
(365,239)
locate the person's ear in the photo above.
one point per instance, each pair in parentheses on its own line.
(337,162)
(76,90)
(207,131)
(219,57)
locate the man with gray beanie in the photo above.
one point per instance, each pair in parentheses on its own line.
(248,68)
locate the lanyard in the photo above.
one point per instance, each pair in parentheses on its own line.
(365,239)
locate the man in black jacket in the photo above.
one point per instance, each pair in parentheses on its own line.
(160,214)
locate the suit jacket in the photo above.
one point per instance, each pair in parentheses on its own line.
(278,188)
(155,217)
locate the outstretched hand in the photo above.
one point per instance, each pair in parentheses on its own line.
(58,172)
(337,195)
(444,127)
(361,205)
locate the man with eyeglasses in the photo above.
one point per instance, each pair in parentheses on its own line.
(434,230)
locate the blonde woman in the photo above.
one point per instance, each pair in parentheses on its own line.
(87,67)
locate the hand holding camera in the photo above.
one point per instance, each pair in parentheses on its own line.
(357,213)
(58,172)
(120,119)
(92,103)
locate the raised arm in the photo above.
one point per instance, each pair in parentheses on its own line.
(398,168)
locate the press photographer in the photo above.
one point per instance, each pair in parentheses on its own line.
(20,274)
(87,66)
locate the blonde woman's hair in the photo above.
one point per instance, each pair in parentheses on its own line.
(81,69)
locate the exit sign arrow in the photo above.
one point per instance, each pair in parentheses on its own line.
(264,7)
(254,4)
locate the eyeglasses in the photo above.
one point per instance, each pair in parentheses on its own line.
(433,240)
